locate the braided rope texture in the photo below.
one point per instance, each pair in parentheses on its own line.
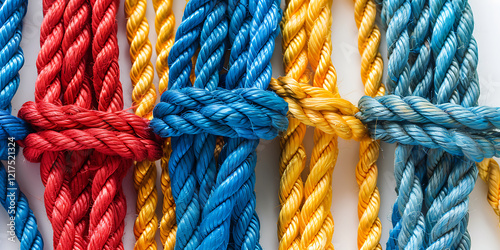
(12,128)
(372,68)
(143,101)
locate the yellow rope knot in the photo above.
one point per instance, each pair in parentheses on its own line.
(318,107)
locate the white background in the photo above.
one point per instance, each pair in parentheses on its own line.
(483,226)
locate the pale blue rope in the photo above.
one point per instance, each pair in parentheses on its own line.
(408,223)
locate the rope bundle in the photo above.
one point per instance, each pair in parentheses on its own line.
(81,132)
(463,131)
(213,178)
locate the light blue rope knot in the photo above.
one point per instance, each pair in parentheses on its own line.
(248,113)
(11,61)
(414,109)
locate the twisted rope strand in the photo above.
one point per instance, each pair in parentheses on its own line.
(408,221)
(293,155)
(109,210)
(12,59)
(164,26)
(77,91)
(182,159)
(316,218)
(143,99)
(48,89)
(372,68)
(454,37)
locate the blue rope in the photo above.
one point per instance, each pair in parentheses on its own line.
(194,115)
(13,128)
(455,81)
(401,17)
(209,63)
(183,159)
(443,62)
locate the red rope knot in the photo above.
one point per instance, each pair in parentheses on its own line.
(70,127)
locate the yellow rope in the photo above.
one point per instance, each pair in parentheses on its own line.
(316,221)
(489,171)
(164,26)
(372,68)
(293,156)
(143,98)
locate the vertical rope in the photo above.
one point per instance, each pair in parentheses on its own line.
(372,68)
(208,64)
(182,159)
(108,212)
(407,219)
(48,88)
(455,81)
(12,59)
(77,91)
(316,218)
(164,26)
(143,99)
(293,155)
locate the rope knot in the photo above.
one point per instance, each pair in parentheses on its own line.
(11,128)
(318,107)
(75,128)
(469,131)
(250,113)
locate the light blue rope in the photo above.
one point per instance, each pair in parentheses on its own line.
(452,44)
(408,223)
(11,60)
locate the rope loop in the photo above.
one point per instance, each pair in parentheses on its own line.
(250,113)
(71,127)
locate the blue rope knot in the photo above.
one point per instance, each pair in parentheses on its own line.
(249,113)
(11,127)
(469,131)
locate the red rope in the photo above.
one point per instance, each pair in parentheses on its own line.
(57,195)
(74,143)
(108,213)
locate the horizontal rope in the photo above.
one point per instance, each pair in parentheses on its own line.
(249,113)
(315,106)
(460,131)
(414,109)
(71,127)
(457,142)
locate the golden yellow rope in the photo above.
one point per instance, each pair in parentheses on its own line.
(372,69)
(293,156)
(164,26)
(316,221)
(489,171)
(143,98)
